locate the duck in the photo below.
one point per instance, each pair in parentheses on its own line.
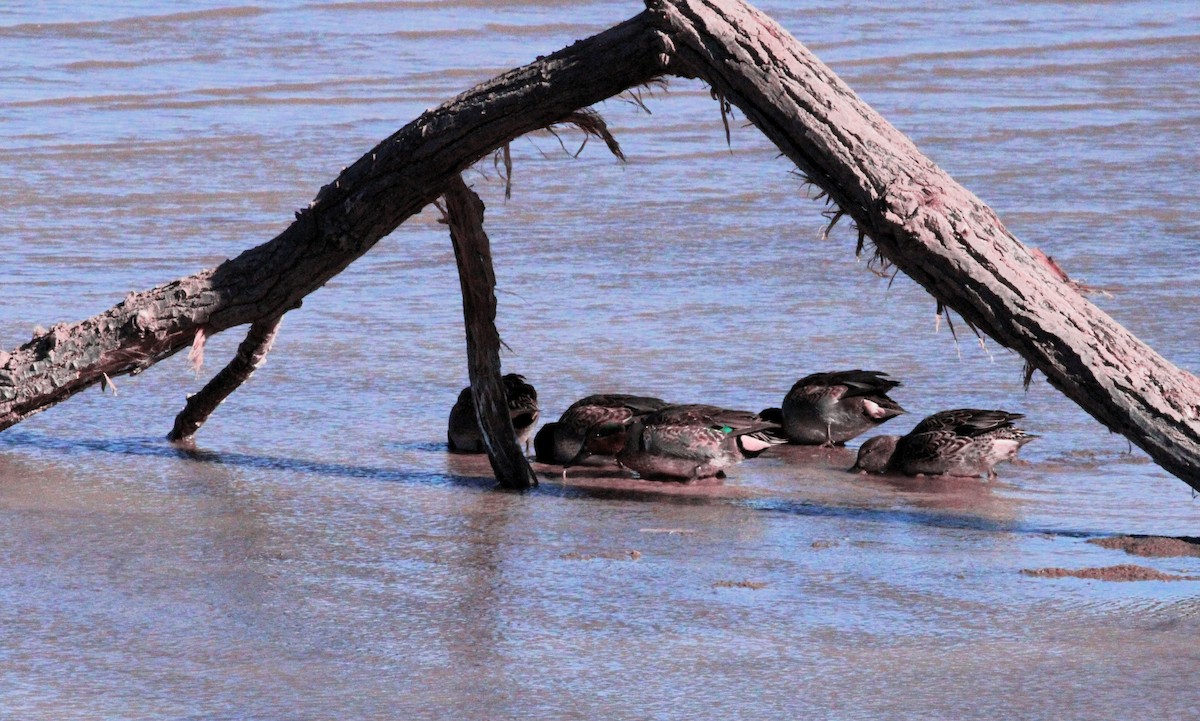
(828,409)
(690,442)
(961,442)
(604,416)
(463,434)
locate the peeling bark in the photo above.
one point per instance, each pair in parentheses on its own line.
(368,200)
(934,230)
(472,252)
(919,219)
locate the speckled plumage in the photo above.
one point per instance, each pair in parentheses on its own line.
(831,408)
(687,442)
(962,442)
(462,433)
(604,415)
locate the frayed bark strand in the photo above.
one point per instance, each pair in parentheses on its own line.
(726,113)
(251,354)
(196,353)
(1050,264)
(833,216)
(918,218)
(592,124)
(634,96)
(367,201)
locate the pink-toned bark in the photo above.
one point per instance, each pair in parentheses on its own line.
(919,219)
(368,200)
(933,229)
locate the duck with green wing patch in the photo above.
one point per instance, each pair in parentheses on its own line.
(604,416)
(689,442)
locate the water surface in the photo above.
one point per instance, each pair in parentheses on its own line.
(321,556)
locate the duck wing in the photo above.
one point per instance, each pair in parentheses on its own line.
(844,384)
(637,404)
(521,395)
(693,442)
(708,415)
(932,451)
(968,422)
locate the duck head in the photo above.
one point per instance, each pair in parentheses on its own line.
(543,443)
(874,454)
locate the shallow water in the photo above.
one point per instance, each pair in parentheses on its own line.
(321,556)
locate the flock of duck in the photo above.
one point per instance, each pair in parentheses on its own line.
(669,442)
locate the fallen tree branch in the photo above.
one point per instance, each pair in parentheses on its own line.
(934,230)
(919,220)
(368,200)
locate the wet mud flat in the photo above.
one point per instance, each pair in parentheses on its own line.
(1149,546)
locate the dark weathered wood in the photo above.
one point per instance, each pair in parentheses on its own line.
(919,219)
(473,254)
(250,355)
(368,200)
(933,229)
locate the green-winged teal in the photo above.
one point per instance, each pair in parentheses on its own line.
(463,433)
(687,442)
(604,416)
(963,442)
(831,408)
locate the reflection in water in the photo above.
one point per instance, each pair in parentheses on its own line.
(321,556)
(486,598)
(608,483)
(948,492)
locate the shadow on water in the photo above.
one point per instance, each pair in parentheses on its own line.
(811,509)
(617,489)
(627,489)
(151,447)
(917,517)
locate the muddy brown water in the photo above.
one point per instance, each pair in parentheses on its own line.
(321,556)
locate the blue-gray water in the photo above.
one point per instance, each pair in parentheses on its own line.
(322,557)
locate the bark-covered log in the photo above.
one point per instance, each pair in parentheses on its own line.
(934,230)
(922,221)
(473,254)
(368,200)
